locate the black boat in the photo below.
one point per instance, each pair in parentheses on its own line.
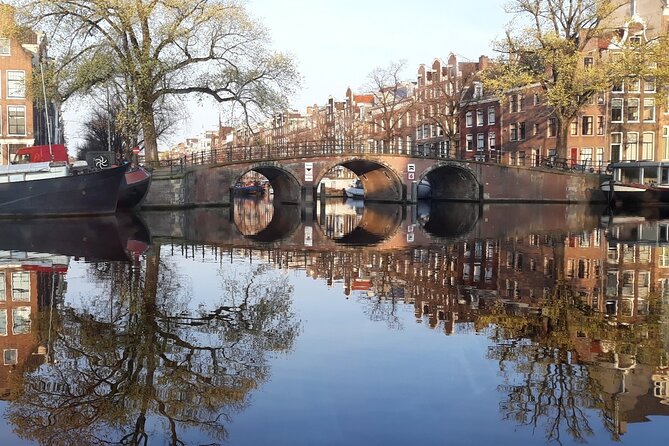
(55,189)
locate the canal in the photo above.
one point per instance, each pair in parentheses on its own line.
(339,325)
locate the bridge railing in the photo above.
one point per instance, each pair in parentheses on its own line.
(259,152)
(290,151)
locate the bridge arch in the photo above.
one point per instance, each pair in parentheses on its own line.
(380,181)
(287,188)
(452,181)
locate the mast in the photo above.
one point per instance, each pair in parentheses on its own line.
(46,112)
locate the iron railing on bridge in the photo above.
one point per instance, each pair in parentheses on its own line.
(257,153)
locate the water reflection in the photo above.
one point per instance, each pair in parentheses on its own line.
(138,354)
(574,309)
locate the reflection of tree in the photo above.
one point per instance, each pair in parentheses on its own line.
(547,384)
(143,361)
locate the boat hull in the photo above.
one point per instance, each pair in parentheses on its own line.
(622,194)
(134,187)
(91,193)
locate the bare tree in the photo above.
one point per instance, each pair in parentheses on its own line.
(392,104)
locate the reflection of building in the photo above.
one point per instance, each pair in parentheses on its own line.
(28,283)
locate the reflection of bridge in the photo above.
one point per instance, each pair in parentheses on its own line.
(387,176)
(384,225)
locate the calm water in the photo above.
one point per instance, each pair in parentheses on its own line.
(343,325)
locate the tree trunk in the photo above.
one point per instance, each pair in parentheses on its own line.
(150,135)
(562,133)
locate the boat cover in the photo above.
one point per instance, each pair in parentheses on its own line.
(25,168)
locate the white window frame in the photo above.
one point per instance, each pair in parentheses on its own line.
(631,153)
(479,117)
(622,109)
(648,146)
(5,43)
(650,103)
(480,141)
(12,91)
(469,119)
(469,142)
(9,127)
(21,286)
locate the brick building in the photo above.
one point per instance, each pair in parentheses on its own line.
(22,120)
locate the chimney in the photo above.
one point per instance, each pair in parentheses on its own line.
(484,62)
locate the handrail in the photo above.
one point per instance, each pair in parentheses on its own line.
(290,151)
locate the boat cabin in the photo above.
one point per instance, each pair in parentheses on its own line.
(40,154)
(641,172)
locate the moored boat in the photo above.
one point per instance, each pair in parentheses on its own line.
(356,190)
(637,183)
(50,189)
(134,187)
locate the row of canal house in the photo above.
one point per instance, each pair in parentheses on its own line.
(22,118)
(623,124)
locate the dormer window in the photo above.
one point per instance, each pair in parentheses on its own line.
(478,90)
(4,47)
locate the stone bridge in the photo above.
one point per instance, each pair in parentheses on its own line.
(385,177)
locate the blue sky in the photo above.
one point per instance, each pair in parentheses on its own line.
(337,43)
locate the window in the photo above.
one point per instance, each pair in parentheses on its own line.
(491,115)
(616,146)
(634,85)
(632,109)
(4,47)
(480,141)
(551,127)
(21,320)
(586,126)
(573,127)
(21,286)
(513,132)
(3,322)
(3,293)
(536,100)
(586,156)
(649,84)
(470,142)
(648,146)
(665,137)
(516,103)
(491,140)
(10,356)
(616,110)
(479,117)
(521,131)
(478,90)
(16,115)
(632,146)
(588,62)
(618,86)
(649,110)
(600,125)
(16,84)
(535,129)
(468,119)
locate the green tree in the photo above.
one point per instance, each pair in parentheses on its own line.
(158,50)
(544,45)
